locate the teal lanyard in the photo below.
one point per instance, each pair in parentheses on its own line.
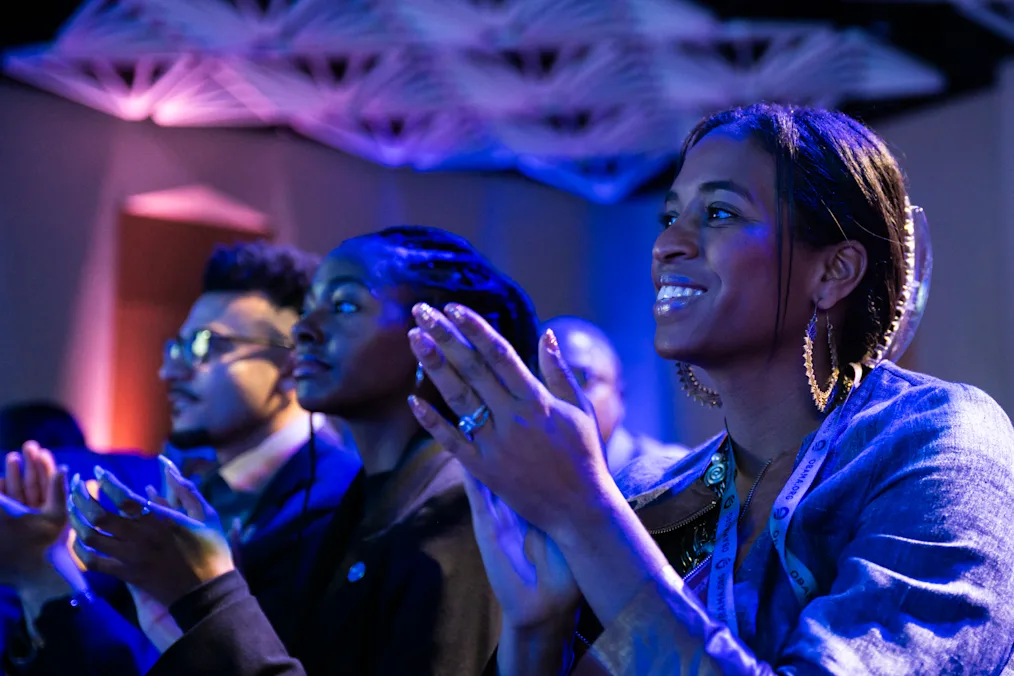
(721,600)
(804,584)
(721,603)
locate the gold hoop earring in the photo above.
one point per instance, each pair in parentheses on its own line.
(694,388)
(820,396)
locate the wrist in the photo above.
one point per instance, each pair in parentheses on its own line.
(559,625)
(600,510)
(546,648)
(611,555)
(59,577)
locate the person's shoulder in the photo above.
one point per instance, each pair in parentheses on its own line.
(668,454)
(905,396)
(900,409)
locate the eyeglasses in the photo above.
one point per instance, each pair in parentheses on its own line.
(197,348)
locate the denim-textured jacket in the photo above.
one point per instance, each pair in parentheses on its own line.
(908,529)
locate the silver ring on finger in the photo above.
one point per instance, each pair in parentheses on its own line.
(468,424)
(145,511)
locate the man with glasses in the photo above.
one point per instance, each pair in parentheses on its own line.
(592,358)
(278,477)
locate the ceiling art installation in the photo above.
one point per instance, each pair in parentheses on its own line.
(591,96)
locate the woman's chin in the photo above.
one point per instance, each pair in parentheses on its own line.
(315,399)
(671,347)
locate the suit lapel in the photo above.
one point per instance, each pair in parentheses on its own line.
(279,511)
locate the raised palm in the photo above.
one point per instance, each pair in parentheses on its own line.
(33,515)
(528,573)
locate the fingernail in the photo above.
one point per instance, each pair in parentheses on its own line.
(100,474)
(421,344)
(455,311)
(75,481)
(425,315)
(417,408)
(152,493)
(552,343)
(167,464)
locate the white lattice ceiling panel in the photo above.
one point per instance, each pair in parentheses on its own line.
(112,30)
(356,26)
(604,179)
(233,26)
(202,98)
(511,25)
(567,77)
(667,20)
(423,140)
(591,96)
(128,89)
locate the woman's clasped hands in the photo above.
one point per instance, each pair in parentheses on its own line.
(533,446)
(163,547)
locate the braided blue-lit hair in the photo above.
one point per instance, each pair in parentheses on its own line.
(441,267)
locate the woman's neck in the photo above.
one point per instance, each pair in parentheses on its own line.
(383,439)
(768,409)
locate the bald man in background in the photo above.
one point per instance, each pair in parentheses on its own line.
(593,359)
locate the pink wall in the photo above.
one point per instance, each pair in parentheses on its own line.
(64,169)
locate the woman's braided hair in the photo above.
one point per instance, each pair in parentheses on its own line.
(442,267)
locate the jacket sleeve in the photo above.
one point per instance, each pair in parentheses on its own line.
(923,585)
(81,637)
(225,633)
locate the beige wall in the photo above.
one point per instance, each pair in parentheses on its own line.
(953,157)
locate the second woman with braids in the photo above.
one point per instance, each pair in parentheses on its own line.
(402,589)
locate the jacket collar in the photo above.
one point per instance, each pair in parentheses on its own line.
(650,476)
(326,473)
(252,470)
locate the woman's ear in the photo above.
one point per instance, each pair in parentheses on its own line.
(843,268)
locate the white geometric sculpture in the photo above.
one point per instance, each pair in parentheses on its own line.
(592,96)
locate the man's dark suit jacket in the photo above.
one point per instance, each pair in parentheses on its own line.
(100,638)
